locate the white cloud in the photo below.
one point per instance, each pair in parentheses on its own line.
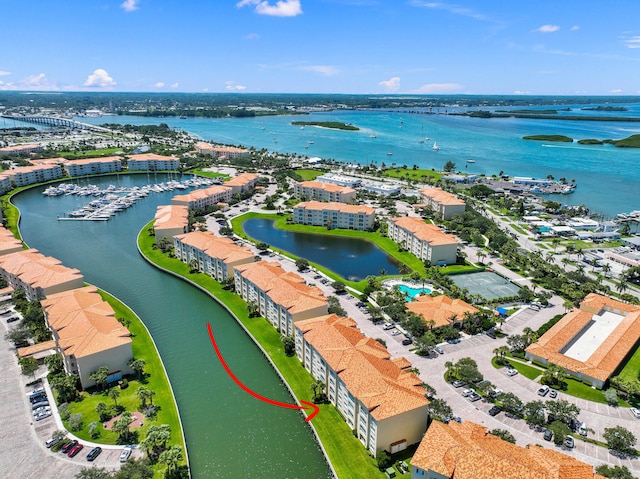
(175,85)
(520,92)
(38,81)
(99,79)
(129,5)
(574,28)
(633,42)
(616,90)
(7,86)
(252,36)
(391,85)
(438,88)
(282,8)
(2,73)
(159,84)
(326,70)
(547,29)
(231,86)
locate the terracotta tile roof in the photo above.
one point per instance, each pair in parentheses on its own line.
(36,348)
(327,187)
(441,197)
(150,156)
(611,352)
(242,180)
(365,366)
(49,161)
(84,323)
(38,270)
(284,288)
(89,161)
(202,145)
(171,216)
(216,246)
(8,243)
(30,169)
(28,147)
(440,309)
(424,231)
(334,206)
(468,451)
(201,194)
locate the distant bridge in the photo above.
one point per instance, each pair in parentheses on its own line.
(55,121)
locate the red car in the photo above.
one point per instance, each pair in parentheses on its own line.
(75,450)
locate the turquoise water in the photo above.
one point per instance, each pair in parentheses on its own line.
(228,432)
(413,292)
(607,177)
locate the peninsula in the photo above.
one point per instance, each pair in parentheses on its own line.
(334,125)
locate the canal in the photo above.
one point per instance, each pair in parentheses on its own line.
(228,432)
(352,258)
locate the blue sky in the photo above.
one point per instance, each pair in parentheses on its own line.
(540,47)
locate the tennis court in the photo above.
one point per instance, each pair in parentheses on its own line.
(489,285)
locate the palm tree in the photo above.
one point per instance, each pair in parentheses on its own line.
(317,388)
(171,458)
(621,286)
(501,352)
(143,394)
(114,394)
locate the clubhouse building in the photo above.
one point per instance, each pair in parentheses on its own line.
(426,241)
(335,215)
(440,311)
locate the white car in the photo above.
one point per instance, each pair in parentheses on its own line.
(511,372)
(468,392)
(635,412)
(126,454)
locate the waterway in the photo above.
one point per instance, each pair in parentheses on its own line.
(607,176)
(351,258)
(228,432)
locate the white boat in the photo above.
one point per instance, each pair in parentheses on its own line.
(435,146)
(389,153)
(420,140)
(471,161)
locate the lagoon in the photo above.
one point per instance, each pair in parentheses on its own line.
(352,258)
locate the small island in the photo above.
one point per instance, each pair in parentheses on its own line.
(590,141)
(556,138)
(605,108)
(532,112)
(334,125)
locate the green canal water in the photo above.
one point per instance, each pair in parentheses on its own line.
(229,434)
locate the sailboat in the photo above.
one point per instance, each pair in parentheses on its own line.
(435,145)
(372,135)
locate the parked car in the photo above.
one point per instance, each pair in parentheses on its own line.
(53,441)
(37,405)
(126,454)
(42,415)
(553,393)
(491,334)
(458,383)
(582,430)
(467,392)
(93,453)
(395,332)
(41,409)
(494,410)
(512,372)
(474,397)
(38,398)
(569,443)
(388,326)
(548,435)
(453,341)
(543,391)
(439,350)
(66,447)
(406,342)
(635,412)
(75,450)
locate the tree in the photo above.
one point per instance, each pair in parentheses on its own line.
(425,343)
(171,458)
(415,325)
(67,387)
(504,435)
(614,472)
(55,364)
(620,440)
(93,473)
(138,367)
(517,343)
(156,441)
(121,426)
(383,460)
(143,393)
(534,412)
(339,287)
(501,353)
(554,375)
(29,366)
(302,264)
(439,410)
(560,432)
(102,411)
(510,403)
(138,469)
(611,396)
(317,388)
(562,410)
(449,166)
(262,246)
(335,307)
(252,309)
(467,370)
(100,376)
(289,345)
(75,422)
(114,394)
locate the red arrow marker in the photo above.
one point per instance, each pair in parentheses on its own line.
(307,405)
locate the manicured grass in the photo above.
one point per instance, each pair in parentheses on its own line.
(308,175)
(89,153)
(346,453)
(420,175)
(527,371)
(632,367)
(209,174)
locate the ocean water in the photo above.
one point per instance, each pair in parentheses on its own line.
(608,178)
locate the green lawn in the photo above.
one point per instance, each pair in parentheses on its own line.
(72,155)
(308,175)
(347,455)
(527,371)
(209,174)
(419,175)
(632,367)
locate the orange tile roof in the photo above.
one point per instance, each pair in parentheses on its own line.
(440,309)
(441,197)
(49,161)
(150,156)
(84,323)
(29,169)
(286,289)
(36,348)
(171,216)
(365,366)
(334,206)
(242,180)
(468,451)
(202,193)
(38,270)
(424,231)
(327,187)
(611,352)
(8,243)
(216,246)
(89,161)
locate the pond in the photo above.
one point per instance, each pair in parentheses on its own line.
(352,258)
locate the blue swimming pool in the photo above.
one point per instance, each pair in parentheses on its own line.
(413,292)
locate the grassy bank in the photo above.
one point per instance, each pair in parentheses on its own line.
(346,453)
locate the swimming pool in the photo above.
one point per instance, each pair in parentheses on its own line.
(413,292)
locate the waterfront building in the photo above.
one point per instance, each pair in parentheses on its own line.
(20,149)
(281,297)
(590,342)
(242,183)
(214,255)
(93,166)
(38,275)
(525,180)
(8,243)
(442,202)
(200,199)
(378,397)
(381,187)
(218,151)
(340,180)
(315,190)
(152,162)
(424,240)
(170,220)
(5,184)
(439,311)
(87,334)
(38,173)
(335,215)
(468,451)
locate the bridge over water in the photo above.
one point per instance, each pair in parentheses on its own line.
(56,122)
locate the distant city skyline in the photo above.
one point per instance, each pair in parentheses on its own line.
(323,46)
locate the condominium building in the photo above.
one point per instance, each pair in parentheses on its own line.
(591,342)
(200,199)
(170,221)
(87,333)
(5,183)
(28,175)
(219,151)
(468,451)
(281,297)
(440,311)
(335,215)
(9,243)
(384,403)
(20,150)
(215,255)
(242,183)
(340,180)
(442,202)
(314,190)
(93,166)
(152,162)
(38,275)
(424,240)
